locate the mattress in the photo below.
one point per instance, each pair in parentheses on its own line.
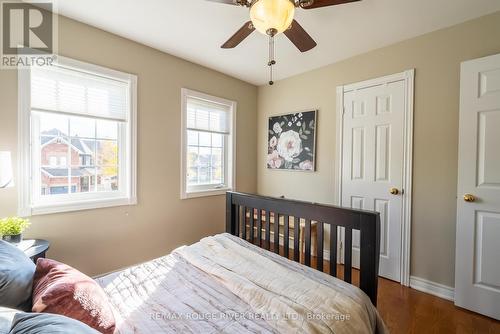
(223,284)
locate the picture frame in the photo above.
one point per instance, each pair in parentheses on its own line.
(291,142)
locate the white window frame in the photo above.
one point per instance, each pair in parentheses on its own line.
(82,201)
(230,147)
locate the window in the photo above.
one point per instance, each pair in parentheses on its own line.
(207,144)
(78,137)
(53,161)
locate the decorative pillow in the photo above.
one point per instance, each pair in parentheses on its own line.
(42,323)
(60,289)
(16,277)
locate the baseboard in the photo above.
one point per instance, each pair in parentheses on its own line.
(433,288)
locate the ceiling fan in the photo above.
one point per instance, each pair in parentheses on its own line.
(272,17)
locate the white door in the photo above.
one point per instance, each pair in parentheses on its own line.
(477,268)
(373,164)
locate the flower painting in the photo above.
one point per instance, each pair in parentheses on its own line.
(291,141)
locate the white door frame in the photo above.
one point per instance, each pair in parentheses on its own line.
(408,77)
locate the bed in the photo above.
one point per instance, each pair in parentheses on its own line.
(242,281)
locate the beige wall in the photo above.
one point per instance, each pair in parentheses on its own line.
(436,58)
(98,241)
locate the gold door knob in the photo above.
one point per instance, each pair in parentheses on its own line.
(469,198)
(394,191)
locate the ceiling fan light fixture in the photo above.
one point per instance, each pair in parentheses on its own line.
(273,16)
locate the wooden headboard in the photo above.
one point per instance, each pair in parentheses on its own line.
(244,225)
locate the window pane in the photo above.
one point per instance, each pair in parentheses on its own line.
(205,139)
(217,175)
(83,179)
(192,138)
(192,157)
(107,129)
(107,153)
(54,181)
(57,190)
(217,140)
(54,151)
(53,125)
(204,159)
(192,176)
(82,151)
(204,175)
(217,157)
(82,127)
(107,179)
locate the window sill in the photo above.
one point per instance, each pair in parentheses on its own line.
(204,193)
(79,206)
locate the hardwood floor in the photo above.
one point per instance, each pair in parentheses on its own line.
(407,310)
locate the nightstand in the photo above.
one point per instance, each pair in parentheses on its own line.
(34,248)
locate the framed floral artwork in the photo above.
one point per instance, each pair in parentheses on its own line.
(291,141)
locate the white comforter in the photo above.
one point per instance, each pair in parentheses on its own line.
(223,284)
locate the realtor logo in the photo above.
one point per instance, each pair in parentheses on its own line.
(28,35)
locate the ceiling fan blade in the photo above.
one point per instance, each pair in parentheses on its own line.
(227,2)
(299,37)
(324,3)
(239,36)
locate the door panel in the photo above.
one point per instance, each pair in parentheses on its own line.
(488,155)
(358,154)
(487,234)
(373,148)
(382,206)
(489,82)
(477,272)
(382,150)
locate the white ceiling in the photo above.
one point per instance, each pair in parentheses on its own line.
(195,29)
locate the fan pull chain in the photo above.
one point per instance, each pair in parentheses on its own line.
(272,61)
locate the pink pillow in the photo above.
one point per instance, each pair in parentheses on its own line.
(60,289)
